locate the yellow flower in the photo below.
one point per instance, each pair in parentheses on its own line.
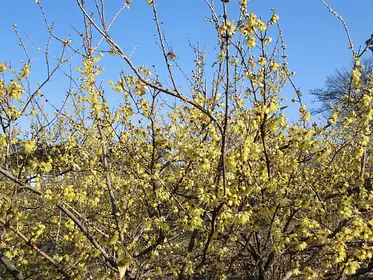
(273,66)
(205,164)
(25,71)
(3,142)
(267,40)
(250,42)
(262,60)
(223,29)
(356,78)
(221,55)
(274,19)
(261,25)
(246,30)
(2,68)
(231,162)
(29,146)
(351,267)
(251,19)
(301,246)
(15,90)
(231,27)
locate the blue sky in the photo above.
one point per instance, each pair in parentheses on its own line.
(315,39)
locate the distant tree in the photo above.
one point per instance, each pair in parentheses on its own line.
(338,90)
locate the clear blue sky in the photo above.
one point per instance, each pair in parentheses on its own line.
(316,41)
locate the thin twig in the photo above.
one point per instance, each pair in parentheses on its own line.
(343,23)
